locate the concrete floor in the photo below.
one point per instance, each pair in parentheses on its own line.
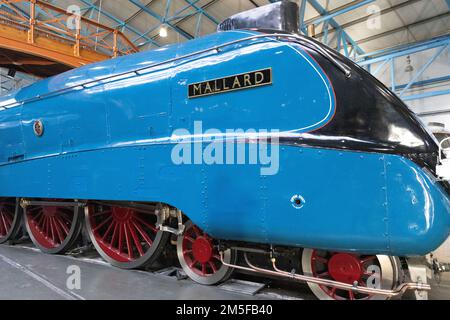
(26,273)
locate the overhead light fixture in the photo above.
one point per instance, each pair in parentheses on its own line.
(409,67)
(163,32)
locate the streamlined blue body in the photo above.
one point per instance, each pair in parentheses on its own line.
(113,139)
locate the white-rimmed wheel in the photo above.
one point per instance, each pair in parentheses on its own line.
(125,237)
(367,270)
(53,229)
(199,256)
(10,219)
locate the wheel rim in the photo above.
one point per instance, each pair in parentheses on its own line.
(7,215)
(53,229)
(199,256)
(348,268)
(125,237)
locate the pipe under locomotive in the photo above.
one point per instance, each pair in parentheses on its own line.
(356,179)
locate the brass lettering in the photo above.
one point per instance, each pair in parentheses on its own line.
(197,89)
(260,79)
(236,83)
(208,88)
(224,85)
(216,87)
(233,82)
(247,81)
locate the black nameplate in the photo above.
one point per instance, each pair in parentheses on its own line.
(232,83)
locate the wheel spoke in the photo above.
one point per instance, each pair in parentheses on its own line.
(213,267)
(192,264)
(39,222)
(38,216)
(120,239)
(2,231)
(351,295)
(58,231)
(204,269)
(63,225)
(46,229)
(115,234)
(102,224)
(108,231)
(142,233)
(146,224)
(65,217)
(8,219)
(4,224)
(33,209)
(52,231)
(128,241)
(136,240)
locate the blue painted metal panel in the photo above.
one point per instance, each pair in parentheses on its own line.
(419,209)
(258,209)
(111,140)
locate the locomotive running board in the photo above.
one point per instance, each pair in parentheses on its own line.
(399,290)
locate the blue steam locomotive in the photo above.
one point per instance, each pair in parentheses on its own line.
(251,141)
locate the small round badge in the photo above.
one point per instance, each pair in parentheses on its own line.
(38,128)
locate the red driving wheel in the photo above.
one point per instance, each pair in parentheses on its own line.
(7,211)
(8,219)
(53,229)
(126,237)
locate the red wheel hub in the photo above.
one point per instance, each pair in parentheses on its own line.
(342,267)
(122,214)
(199,252)
(50,212)
(345,268)
(202,249)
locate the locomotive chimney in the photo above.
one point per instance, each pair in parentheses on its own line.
(282,16)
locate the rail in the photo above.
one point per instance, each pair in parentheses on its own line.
(42,21)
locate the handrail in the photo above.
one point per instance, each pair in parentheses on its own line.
(189,55)
(53,25)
